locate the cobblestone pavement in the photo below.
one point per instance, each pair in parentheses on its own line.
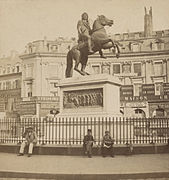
(148,163)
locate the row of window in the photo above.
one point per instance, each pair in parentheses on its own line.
(130,68)
(126,68)
(156,113)
(7,85)
(137,47)
(9,70)
(137,35)
(157,91)
(44,46)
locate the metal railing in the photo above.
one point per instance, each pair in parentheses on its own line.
(71,130)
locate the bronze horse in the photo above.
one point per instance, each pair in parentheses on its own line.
(100,40)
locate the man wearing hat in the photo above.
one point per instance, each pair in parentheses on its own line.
(88,143)
(84,31)
(107,145)
(30,140)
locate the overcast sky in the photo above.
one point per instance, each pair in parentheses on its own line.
(23,21)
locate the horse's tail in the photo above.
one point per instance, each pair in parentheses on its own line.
(69,64)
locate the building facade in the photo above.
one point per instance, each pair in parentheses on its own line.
(43,66)
(10,85)
(143,69)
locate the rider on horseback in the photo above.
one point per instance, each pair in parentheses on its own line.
(84,31)
(100,39)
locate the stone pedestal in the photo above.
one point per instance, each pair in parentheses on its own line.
(90,95)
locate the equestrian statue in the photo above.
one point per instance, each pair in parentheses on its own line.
(89,42)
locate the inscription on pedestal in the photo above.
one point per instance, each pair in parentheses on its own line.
(83,98)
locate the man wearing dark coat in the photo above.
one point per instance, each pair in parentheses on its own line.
(88,143)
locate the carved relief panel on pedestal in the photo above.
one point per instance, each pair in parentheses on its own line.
(83,98)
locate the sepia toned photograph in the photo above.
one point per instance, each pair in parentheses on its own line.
(84,90)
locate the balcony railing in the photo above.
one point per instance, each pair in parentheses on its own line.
(71,130)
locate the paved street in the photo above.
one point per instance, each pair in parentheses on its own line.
(77,164)
(153,163)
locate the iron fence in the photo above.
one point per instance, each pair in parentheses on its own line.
(71,130)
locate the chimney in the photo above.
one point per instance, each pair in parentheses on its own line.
(151,20)
(148,23)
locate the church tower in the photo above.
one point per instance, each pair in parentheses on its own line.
(148,23)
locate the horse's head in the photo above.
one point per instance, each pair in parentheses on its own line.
(105,21)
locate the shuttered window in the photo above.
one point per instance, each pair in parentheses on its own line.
(116,68)
(137,68)
(158,68)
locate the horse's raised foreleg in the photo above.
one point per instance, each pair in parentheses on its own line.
(116,48)
(101,54)
(117,51)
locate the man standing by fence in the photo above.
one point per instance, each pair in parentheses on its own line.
(30,140)
(88,143)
